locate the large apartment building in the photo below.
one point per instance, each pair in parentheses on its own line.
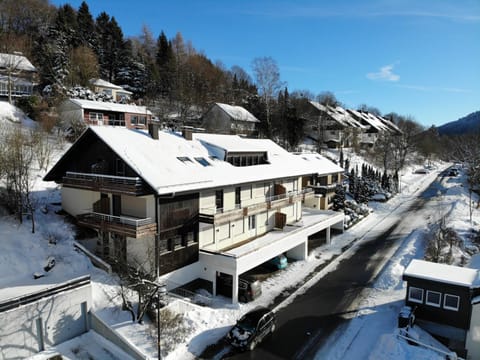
(192,208)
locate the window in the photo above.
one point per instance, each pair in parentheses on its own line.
(202,161)
(433,298)
(219,200)
(177,241)
(451,302)
(251,222)
(184,159)
(238,194)
(415,295)
(96,118)
(134,119)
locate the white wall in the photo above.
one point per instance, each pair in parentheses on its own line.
(61,318)
(77,201)
(473,335)
(229,199)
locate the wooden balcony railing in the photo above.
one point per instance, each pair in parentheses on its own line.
(122,225)
(219,216)
(106,183)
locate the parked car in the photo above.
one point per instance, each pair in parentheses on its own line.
(249,288)
(278,262)
(453,172)
(252,328)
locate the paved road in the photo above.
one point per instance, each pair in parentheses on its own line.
(304,325)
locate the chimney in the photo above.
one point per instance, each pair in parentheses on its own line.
(187,132)
(153,130)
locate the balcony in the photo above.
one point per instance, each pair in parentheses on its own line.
(106,183)
(326,188)
(220,216)
(122,225)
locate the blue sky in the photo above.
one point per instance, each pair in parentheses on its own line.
(416,58)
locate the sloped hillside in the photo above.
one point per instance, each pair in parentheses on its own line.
(466,125)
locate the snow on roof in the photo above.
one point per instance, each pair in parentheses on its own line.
(15,61)
(343,117)
(324,165)
(104,83)
(238,112)
(233,143)
(370,119)
(107,106)
(444,273)
(318,105)
(338,114)
(390,124)
(171,163)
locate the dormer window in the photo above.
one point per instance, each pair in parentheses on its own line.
(247,158)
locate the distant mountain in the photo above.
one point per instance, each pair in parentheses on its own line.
(466,125)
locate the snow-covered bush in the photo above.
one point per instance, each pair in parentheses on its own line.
(354,212)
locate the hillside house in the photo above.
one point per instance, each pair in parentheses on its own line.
(446,302)
(332,126)
(324,182)
(105,113)
(191,209)
(374,126)
(229,119)
(18,77)
(118,93)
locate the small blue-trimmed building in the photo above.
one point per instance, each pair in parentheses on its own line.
(446,302)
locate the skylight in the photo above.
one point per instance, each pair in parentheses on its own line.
(184,159)
(202,161)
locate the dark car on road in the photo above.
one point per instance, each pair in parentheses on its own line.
(252,328)
(453,172)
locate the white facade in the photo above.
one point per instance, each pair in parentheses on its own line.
(39,325)
(473,335)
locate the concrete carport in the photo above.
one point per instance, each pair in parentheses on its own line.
(292,240)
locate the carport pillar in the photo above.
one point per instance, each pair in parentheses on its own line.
(327,231)
(234,289)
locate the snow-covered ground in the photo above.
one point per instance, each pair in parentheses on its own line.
(208,324)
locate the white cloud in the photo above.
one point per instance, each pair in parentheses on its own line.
(385,74)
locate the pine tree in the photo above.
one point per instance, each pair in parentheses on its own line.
(165,62)
(341,157)
(86,26)
(339,198)
(351,182)
(109,46)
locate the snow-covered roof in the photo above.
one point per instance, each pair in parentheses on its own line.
(324,165)
(19,62)
(236,143)
(237,112)
(318,106)
(338,114)
(444,273)
(377,122)
(107,106)
(163,163)
(106,84)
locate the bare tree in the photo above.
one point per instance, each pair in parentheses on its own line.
(16,170)
(267,77)
(134,278)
